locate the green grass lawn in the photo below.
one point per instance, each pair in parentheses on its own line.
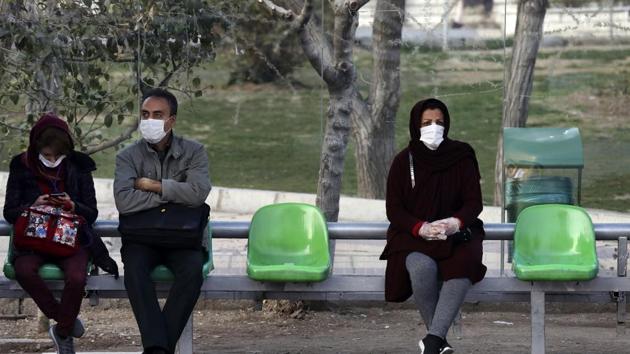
(269,136)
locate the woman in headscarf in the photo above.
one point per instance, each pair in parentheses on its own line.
(434,242)
(51,172)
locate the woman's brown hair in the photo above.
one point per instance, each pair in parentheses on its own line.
(56,139)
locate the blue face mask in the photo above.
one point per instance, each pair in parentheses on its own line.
(49,164)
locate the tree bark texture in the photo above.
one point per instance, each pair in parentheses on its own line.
(333,153)
(374,121)
(528,34)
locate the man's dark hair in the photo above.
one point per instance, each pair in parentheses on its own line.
(162,93)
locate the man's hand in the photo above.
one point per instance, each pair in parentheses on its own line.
(148,185)
(109,265)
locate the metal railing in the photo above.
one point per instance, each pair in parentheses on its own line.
(352,230)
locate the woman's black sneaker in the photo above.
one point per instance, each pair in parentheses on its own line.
(431,344)
(446,348)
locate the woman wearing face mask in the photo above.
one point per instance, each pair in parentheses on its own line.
(50,172)
(434,242)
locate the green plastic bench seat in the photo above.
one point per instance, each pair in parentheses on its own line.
(554,242)
(288,242)
(162,273)
(48,271)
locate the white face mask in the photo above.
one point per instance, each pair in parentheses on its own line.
(49,164)
(432,136)
(152,130)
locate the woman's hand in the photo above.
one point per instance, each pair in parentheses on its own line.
(431,232)
(449,225)
(63,201)
(41,200)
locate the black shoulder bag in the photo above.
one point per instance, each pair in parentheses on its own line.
(169,225)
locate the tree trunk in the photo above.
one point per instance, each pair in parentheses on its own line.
(333,61)
(529,31)
(333,153)
(340,81)
(374,125)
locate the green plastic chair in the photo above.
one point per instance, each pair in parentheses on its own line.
(554,242)
(48,271)
(288,242)
(162,273)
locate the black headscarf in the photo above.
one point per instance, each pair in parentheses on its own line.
(448,153)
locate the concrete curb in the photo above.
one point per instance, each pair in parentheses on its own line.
(247,201)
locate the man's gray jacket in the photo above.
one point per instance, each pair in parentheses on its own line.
(184,175)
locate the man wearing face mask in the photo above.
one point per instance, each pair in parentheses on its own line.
(161,168)
(434,241)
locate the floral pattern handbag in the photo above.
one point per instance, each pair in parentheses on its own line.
(49,230)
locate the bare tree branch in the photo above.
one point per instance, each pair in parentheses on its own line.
(12,127)
(316,47)
(296,25)
(305,15)
(318,50)
(355,5)
(275,9)
(92,129)
(71,60)
(269,64)
(169,75)
(346,22)
(78,120)
(107,144)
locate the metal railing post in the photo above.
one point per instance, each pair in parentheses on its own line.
(622,264)
(537,304)
(185,343)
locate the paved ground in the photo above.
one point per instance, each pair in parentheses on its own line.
(377,328)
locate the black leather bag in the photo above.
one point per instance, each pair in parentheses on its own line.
(462,236)
(168,225)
